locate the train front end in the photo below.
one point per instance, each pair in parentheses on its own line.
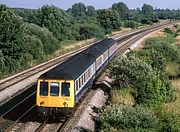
(55,97)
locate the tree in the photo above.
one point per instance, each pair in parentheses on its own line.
(12,32)
(91,11)
(146,9)
(108,19)
(2,64)
(54,19)
(79,10)
(88,30)
(44,41)
(24,13)
(122,10)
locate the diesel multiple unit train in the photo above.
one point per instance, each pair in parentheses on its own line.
(60,89)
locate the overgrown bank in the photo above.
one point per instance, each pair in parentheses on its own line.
(142,89)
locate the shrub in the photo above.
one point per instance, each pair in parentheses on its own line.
(54,19)
(35,47)
(126,118)
(87,31)
(131,24)
(50,43)
(168,120)
(151,86)
(165,47)
(169,31)
(152,57)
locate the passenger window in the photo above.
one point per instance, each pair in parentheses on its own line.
(77,87)
(84,78)
(79,83)
(54,89)
(65,90)
(43,88)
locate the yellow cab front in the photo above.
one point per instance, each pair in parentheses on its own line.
(55,93)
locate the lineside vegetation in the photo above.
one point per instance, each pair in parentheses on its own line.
(29,36)
(144,75)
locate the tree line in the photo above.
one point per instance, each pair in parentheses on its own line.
(28,35)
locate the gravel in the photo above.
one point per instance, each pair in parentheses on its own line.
(86,122)
(30,127)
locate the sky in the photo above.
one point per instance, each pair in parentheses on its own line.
(98,4)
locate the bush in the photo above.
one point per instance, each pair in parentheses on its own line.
(169,31)
(35,47)
(55,20)
(165,47)
(151,86)
(152,57)
(12,43)
(168,120)
(87,31)
(126,118)
(50,43)
(131,24)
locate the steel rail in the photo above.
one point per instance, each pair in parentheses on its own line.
(15,122)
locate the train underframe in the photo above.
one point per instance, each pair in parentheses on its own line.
(55,113)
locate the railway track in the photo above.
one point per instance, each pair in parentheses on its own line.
(13,115)
(127,44)
(26,74)
(129,39)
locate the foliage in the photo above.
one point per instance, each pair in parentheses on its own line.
(54,19)
(131,24)
(168,14)
(35,47)
(24,13)
(122,117)
(151,86)
(91,11)
(2,63)
(108,19)
(123,96)
(169,31)
(165,47)
(149,18)
(152,57)
(121,9)
(87,31)
(172,69)
(168,120)
(146,9)
(12,44)
(49,42)
(79,10)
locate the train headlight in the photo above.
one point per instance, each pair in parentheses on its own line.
(41,103)
(65,104)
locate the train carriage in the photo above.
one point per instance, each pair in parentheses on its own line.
(61,88)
